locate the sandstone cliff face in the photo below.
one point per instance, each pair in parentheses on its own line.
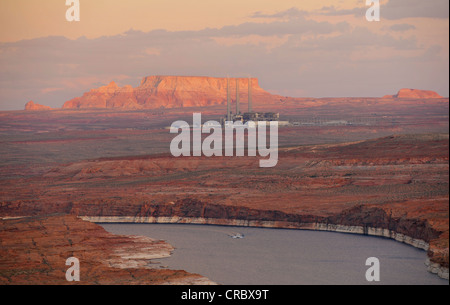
(96,98)
(414,94)
(366,217)
(169,92)
(31,106)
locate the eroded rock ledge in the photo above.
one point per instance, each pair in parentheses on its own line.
(358,220)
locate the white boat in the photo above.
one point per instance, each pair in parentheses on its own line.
(237,236)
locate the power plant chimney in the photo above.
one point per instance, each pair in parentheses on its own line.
(249,95)
(228,100)
(238,111)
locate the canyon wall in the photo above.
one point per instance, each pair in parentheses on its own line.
(357,220)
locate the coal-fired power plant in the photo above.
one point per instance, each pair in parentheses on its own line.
(250,95)
(238,111)
(247,116)
(228,101)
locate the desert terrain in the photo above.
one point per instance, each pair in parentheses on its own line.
(376,163)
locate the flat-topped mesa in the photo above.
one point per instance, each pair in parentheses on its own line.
(414,94)
(169,92)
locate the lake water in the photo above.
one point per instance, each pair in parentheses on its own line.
(284,257)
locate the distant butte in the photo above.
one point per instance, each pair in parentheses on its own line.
(186,91)
(168,92)
(414,94)
(32,106)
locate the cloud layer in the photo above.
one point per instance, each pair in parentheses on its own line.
(290,52)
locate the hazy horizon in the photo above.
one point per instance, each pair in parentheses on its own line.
(312,49)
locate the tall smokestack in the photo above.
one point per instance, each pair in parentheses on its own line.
(249,94)
(228,100)
(238,111)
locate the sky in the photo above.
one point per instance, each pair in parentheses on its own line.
(298,48)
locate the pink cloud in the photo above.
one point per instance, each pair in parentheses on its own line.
(50,90)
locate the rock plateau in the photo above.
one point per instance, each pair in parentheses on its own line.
(169,92)
(414,94)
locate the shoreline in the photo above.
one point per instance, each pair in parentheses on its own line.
(35,250)
(433,268)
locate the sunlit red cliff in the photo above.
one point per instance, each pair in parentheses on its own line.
(168,92)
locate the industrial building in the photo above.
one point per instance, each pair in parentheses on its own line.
(246,116)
